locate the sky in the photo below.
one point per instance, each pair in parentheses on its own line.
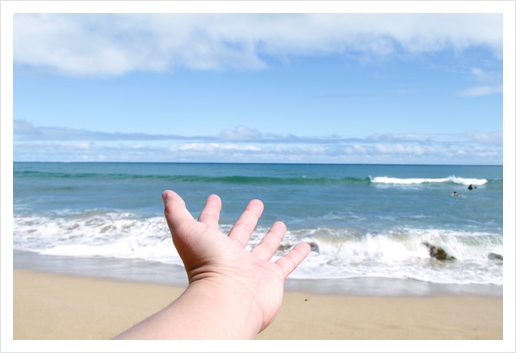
(413,88)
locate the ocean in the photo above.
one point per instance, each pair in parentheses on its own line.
(386,229)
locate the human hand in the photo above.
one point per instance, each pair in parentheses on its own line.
(232,293)
(221,262)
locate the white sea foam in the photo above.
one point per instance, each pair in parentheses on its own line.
(337,252)
(403,254)
(117,235)
(416,181)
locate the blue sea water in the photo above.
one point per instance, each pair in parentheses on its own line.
(362,221)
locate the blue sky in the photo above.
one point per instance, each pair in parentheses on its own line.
(294,88)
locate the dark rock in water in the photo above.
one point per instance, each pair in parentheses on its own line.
(314,246)
(286,247)
(438,253)
(493,256)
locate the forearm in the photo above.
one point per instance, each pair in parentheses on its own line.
(206,310)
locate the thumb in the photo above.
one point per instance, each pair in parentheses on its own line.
(176,213)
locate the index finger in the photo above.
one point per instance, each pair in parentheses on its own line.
(211,213)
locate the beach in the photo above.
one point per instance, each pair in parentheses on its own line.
(50,306)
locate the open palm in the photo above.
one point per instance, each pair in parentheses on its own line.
(210,255)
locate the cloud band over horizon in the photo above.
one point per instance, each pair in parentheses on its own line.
(244,144)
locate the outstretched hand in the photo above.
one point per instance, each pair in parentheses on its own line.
(208,254)
(232,293)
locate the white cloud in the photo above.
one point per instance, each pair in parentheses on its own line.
(317,150)
(108,44)
(481,91)
(495,138)
(410,150)
(241,133)
(477,72)
(214,147)
(488,83)
(83,145)
(486,76)
(358,149)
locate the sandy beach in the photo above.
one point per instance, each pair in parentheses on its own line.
(63,307)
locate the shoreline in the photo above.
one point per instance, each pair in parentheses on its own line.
(134,270)
(52,306)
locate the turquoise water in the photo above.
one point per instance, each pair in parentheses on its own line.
(363,221)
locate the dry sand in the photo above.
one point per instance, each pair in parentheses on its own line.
(52,306)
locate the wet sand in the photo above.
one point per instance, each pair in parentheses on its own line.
(50,306)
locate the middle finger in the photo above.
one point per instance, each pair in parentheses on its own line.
(244,226)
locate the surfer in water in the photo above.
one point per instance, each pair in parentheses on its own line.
(454,193)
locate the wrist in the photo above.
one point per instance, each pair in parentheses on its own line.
(231,306)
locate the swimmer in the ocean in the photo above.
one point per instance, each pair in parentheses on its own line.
(455,194)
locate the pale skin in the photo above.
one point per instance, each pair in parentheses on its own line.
(232,293)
